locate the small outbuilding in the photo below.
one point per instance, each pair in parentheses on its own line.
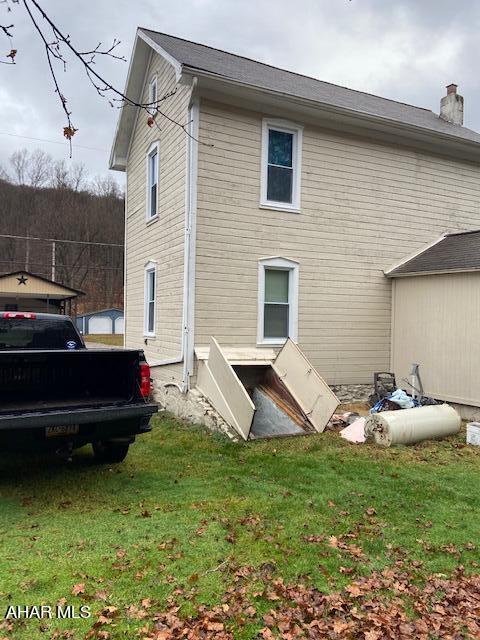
(105,321)
(26,291)
(435,319)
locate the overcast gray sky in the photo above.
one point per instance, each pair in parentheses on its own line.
(406,50)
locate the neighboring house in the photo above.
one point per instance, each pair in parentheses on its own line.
(25,291)
(104,321)
(276,213)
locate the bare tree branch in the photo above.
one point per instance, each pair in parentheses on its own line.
(57,43)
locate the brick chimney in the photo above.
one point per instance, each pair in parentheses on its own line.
(451,106)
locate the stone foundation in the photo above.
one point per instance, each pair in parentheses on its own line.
(466,411)
(192,407)
(352,392)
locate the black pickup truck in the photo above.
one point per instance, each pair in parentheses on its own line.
(55,394)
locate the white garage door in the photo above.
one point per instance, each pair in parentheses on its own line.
(119,325)
(100,324)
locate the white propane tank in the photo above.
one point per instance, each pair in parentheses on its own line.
(408,426)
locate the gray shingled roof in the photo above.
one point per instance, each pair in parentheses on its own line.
(455,252)
(257,74)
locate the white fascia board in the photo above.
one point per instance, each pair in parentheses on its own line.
(438,272)
(416,253)
(120,163)
(161,51)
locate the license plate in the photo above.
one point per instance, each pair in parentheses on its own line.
(61,430)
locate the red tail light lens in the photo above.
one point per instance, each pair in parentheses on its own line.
(14,314)
(145,384)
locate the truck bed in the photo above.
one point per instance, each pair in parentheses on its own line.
(56,379)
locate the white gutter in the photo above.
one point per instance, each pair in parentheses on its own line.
(395,126)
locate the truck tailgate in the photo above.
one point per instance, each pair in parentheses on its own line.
(44,381)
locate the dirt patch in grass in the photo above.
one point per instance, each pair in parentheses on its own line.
(362,408)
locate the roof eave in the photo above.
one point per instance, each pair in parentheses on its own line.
(434,272)
(414,254)
(416,132)
(126,118)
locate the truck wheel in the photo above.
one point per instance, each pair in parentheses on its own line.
(107,452)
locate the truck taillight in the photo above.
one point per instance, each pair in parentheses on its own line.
(145,384)
(15,314)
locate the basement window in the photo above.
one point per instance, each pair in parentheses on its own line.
(281,165)
(277,301)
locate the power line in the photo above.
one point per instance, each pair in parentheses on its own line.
(78,146)
(98,244)
(65,266)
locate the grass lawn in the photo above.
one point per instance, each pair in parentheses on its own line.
(189,514)
(105,338)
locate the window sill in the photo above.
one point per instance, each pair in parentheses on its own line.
(152,220)
(149,336)
(272,343)
(278,207)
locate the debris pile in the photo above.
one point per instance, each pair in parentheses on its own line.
(399,418)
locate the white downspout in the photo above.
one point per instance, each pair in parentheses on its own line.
(125,234)
(190,237)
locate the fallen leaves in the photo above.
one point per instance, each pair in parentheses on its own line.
(387,605)
(78,589)
(338,543)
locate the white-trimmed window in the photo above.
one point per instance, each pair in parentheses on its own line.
(150,298)
(153,156)
(152,92)
(277,301)
(281,165)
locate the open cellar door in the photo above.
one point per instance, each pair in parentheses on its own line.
(265,398)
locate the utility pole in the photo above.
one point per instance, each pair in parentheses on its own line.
(53,260)
(27,254)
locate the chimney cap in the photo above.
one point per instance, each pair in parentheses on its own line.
(451,88)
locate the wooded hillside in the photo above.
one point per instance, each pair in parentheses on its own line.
(49,200)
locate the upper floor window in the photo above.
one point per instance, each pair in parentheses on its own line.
(150,298)
(152,92)
(152,181)
(277,300)
(281,165)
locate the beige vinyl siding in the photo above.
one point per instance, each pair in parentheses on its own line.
(435,324)
(162,240)
(364,205)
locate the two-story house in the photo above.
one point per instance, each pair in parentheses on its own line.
(275,209)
